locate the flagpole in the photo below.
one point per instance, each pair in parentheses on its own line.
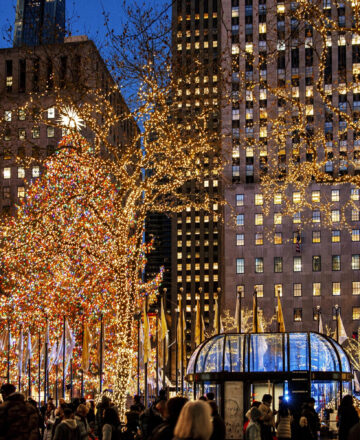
(256,312)
(318,317)
(219,309)
(20,364)
(82,369)
(239,311)
(71,379)
(57,374)
(182,341)
(101,352)
(278,311)
(29,366)
(46,361)
(39,367)
(63,360)
(145,363)
(138,358)
(177,350)
(8,353)
(157,353)
(337,322)
(164,341)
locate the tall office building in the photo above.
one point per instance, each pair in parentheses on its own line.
(39,22)
(310,264)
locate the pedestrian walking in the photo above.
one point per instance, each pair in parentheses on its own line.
(194,422)
(309,421)
(111,425)
(82,422)
(99,416)
(283,422)
(267,418)
(49,420)
(165,431)
(67,429)
(347,417)
(219,429)
(253,429)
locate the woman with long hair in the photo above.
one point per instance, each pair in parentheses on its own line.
(347,416)
(111,423)
(194,422)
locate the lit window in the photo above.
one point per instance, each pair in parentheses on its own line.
(51,113)
(355,235)
(354,194)
(356,313)
(259,288)
(259,219)
(277,199)
(36,171)
(179,255)
(356,287)
(277,218)
(297,289)
(316,216)
(22,134)
(259,200)
(355,215)
(336,290)
(8,115)
(7,173)
(316,289)
(240,265)
(335,195)
(259,265)
(239,239)
(239,199)
(335,262)
(297,315)
(278,264)
(355,262)
(240,220)
(316,236)
(50,131)
(297,217)
(21,173)
(316,263)
(296,197)
(6,192)
(297,264)
(315,196)
(335,215)
(335,236)
(278,238)
(21,192)
(21,115)
(278,290)
(259,240)
(35,132)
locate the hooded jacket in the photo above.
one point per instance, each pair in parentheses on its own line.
(19,420)
(67,430)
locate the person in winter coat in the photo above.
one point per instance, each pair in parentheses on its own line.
(283,423)
(19,420)
(111,425)
(347,416)
(354,433)
(194,422)
(165,431)
(253,429)
(82,422)
(219,429)
(267,417)
(67,429)
(49,420)
(100,408)
(151,418)
(309,421)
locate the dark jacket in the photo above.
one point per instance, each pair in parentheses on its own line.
(19,420)
(313,423)
(149,420)
(219,429)
(354,433)
(67,430)
(165,431)
(348,417)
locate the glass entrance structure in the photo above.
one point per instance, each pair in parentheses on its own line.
(240,367)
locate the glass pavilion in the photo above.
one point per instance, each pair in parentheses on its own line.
(241,367)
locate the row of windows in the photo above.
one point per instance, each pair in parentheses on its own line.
(35,172)
(298,314)
(21,114)
(35,133)
(335,217)
(298,289)
(7,193)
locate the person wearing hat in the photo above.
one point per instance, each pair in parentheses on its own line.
(253,430)
(19,419)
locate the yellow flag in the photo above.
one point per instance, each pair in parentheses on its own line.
(280,316)
(216,317)
(181,327)
(163,333)
(85,356)
(198,324)
(147,343)
(255,317)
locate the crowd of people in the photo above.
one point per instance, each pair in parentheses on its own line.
(176,418)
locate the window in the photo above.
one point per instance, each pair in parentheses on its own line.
(278,238)
(21,172)
(297,264)
(259,219)
(316,236)
(50,132)
(277,218)
(355,235)
(335,195)
(335,236)
(316,263)
(356,313)
(239,239)
(259,265)
(240,288)
(36,171)
(259,200)
(354,193)
(336,290)
(336,262)
(240,265)
(35,132)
(21,115)
(51,113)
(297,289)
(315,196)
(316,289)
(259,240)
(355,215)
(239,199)
(316,216)
(22,134)
(296,197)
(297,315)
(259,288)
(297,217)
(277,199)
(356,287)
(278,290)
(6,193)
(355,262)
(335,215)
(278,264)
(7,173)
(21,192)
(8,115)
(240,220)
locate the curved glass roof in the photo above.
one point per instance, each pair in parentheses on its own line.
(269,352)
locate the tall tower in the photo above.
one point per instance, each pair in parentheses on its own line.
(39,22)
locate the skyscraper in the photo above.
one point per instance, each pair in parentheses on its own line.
(39,22)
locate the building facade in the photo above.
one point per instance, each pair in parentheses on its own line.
(39,22)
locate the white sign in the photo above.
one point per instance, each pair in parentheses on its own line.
(234,419)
